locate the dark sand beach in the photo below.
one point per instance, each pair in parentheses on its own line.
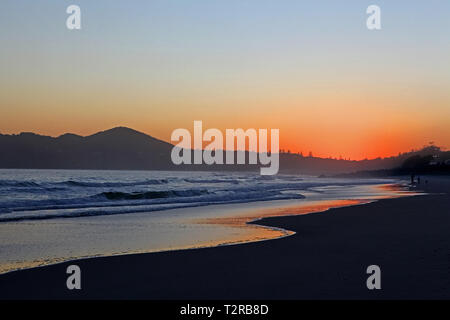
(409,238)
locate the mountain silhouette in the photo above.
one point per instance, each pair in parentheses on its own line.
(117,148)
(123,148)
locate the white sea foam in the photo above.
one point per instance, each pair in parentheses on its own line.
(48,194)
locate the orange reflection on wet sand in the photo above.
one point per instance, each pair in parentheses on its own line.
(259,232)
(255,232)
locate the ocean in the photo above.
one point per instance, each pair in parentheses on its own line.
(49,216)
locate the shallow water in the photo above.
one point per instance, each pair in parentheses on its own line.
(48,216)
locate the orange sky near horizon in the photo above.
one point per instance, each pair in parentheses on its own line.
(346,117)
(326,117)
(324,131)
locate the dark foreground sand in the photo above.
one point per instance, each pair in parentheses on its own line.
(409,238)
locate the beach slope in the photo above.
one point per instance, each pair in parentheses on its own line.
(327,258)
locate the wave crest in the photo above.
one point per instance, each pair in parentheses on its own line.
(116,195)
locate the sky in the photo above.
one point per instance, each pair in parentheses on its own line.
(311,69)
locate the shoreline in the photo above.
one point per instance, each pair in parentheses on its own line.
(329,266)
(250,223)
(253,213)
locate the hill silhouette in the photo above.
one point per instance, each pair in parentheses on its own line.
(117,148)
(123,148)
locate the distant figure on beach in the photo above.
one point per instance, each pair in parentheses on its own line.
(418,180)
(412,178)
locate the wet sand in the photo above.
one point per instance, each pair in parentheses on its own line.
(326,258)
(29,244)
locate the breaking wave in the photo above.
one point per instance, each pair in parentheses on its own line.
(72,194)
